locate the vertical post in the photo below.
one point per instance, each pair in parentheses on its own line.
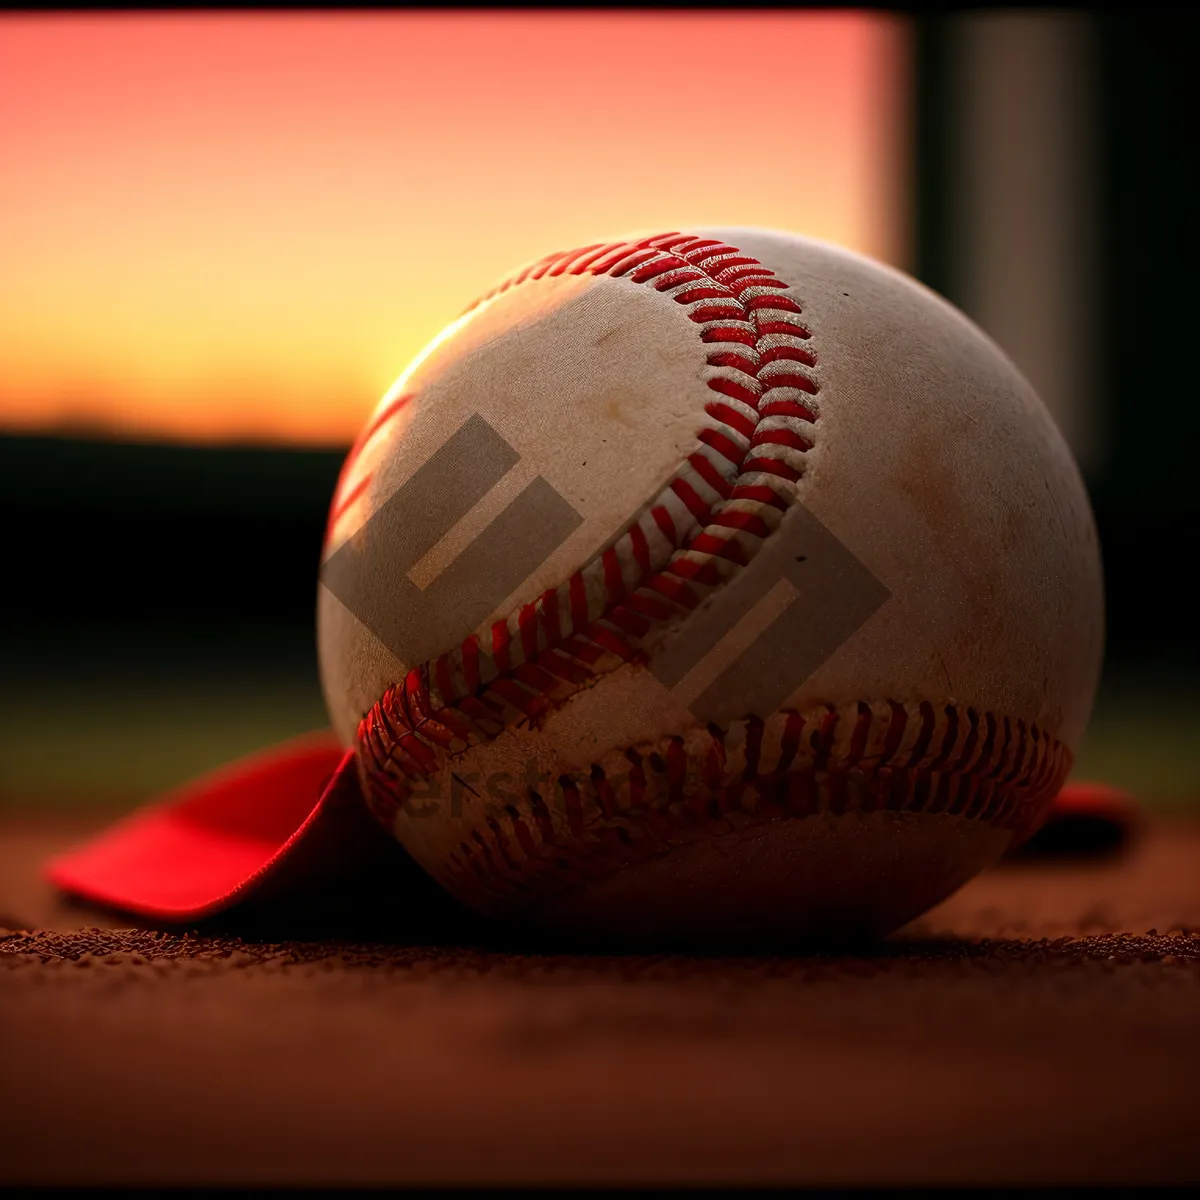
(1024,192)
(933,215)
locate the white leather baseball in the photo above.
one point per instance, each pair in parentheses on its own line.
(701,402)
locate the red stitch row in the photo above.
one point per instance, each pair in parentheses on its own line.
(341,504)
(608,822)
(734,300)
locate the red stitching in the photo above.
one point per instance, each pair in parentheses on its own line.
(779,303)
(738,421)
(707,471)
(729,333)
(690,497)
(723,445)
(773,466)
(759,493)
(709,519)
(788,408)
(783,327)
(340,508)
(743,522)
(699,572)
(641,549)
(674,589)
(793,380)
(735,391)
(613,580)
(610,816)
(788,354)
(717,312)
(566,260)
(781,437)
(626,264)
(527,623)
(396,406)
(655,270)
(709,543)
(606,638)
(579,604)
(340,504)
(500,643)
(549,616)
(662,519)
(578,267)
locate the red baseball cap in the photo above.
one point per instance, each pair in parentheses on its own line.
(286,820)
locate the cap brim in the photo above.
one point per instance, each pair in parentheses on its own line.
(1086,820)
(1100,800)
(279,820)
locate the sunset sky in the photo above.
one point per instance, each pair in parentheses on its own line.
(240,227)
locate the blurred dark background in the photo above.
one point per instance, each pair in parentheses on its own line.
(1131,217)
(159,601)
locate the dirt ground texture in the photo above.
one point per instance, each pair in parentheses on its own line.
(1038,1027)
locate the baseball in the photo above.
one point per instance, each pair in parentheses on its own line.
(710,583)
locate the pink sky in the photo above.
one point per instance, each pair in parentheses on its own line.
(242,226)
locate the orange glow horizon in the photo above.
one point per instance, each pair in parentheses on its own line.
(241,227)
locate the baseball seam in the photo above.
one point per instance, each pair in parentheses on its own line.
(707,522)
(635,804)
